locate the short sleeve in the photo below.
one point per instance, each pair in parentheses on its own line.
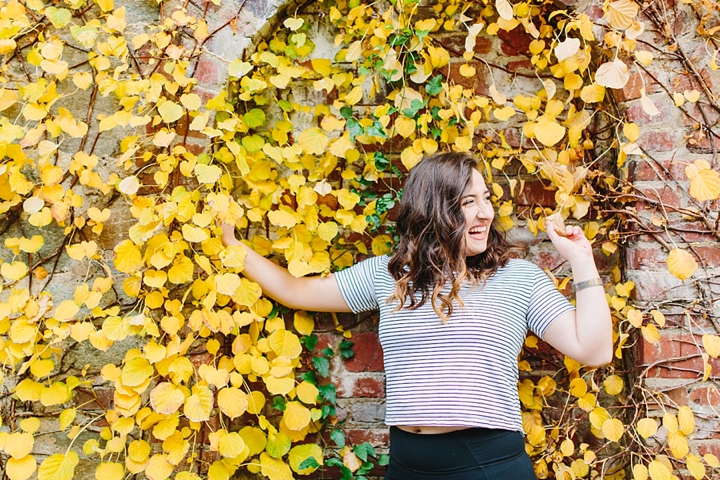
(357,284)
(546,303)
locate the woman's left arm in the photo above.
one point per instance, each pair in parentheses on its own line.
(584,334)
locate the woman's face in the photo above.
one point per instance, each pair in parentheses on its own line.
(478,211)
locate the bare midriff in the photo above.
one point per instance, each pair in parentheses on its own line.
(428,430)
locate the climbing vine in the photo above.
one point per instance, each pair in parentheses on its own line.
(106,133)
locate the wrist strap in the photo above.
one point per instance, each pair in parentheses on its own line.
(593,282)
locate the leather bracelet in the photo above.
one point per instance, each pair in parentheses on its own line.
(593,282)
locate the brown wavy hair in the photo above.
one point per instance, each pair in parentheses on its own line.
(431,225)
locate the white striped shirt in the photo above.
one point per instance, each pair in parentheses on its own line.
(463,372)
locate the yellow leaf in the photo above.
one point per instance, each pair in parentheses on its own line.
(105,5)
(66,417)
(256,402)
(127,257)
(354,96)
(313,141)
(578,387)
(704,182)
(299,453)
(248,293)
(20,469)
(170,111)
(285,344)
(405,126)
(158,468)
(631,131)
(166,398)
(620,15)
(613,74)
(467,70)
(681,264)
(110,471)
(598,417)
(274,469)
(254,438)
(129,185)
(231,445)
(350,460)
(678,444)
(695,466)
(644,56)
(303,323)
(592,93)
(18,445)
(307,393)
(651,333)
(711,460)
(207,174)
(686,420)
(30,425)
(57,394)
(647,427)
(613,429)
(13,271)
(59,467)
(232,402)
(640,472)
(658,317)
(199,405)
(670,422)
(613,384)
(410,157)
(136,371)
(296,416)
(711,343)
(548,131)
(282,218)
(504,114)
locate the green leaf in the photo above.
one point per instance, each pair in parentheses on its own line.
(354,128)
(363,450)
(328,392)
(322,365)
(337,436)
(384,460)
(279,403)
(254,118)
(346,112)
(58,16)
(415,107)
(434,86)
(309,462)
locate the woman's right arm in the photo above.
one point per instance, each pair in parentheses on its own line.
(317,294)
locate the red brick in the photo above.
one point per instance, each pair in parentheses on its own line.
(706,396)
(476,83)
(456,44)
(631,90)
(368,354)
(535,193)
(198,359)
(639,258)
(712,447)
(664,105)
(515,42)
(595,12)
(99,398)
(686,356)
(699,142)
(520,65)
(692,231)
(663,141)
(369,387)
(644,170)
(377,438)
(708,255)
(665,196)
(207,71)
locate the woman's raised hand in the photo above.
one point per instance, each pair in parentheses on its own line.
(574,246)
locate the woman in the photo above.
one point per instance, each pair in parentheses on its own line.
(454,313)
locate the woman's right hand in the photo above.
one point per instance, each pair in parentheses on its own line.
(228,235)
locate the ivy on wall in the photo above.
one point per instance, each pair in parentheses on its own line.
(311,183)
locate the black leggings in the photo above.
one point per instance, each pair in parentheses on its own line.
(470,454)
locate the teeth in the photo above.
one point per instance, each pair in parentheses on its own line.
(478,230)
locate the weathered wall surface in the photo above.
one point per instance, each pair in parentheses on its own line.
(636,249)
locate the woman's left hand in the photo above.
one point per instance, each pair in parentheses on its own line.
(574,247)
